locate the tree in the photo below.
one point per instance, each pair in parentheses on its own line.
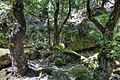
(58,28)
(17,37)
(105,68)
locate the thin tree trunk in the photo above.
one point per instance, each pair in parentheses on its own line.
(17,37)
(58,29)
(49,31)
(56,36)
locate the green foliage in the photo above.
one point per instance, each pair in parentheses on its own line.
(5,10)
(117,36)
(103,18)
(118,24)
(61,75)
(112,48)
(64,50)
(3,40)
(114,53)
(96,35)
(2,35)
(58,47)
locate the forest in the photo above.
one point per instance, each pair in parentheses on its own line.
(59,39)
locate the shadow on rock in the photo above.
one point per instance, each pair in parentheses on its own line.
(31,73)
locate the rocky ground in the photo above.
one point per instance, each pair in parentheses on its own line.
(57,65)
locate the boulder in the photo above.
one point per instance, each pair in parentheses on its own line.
(4,58)
(77,37)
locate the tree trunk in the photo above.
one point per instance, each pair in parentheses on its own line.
(17,37)
(56,28)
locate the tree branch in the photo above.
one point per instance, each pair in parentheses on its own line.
(114,16)
(66,17)
(92,19)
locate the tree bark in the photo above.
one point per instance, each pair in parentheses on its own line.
(17,37)
(56,36)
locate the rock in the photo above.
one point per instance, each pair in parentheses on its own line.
(31,73)
(33,54)
(80,73)
(62,44)
(3,74)
(4,58)
(116,71)
(77,37)
(46,71)
(4,51)
(61,75)
(59,62)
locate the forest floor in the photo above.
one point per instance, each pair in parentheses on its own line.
(56,65)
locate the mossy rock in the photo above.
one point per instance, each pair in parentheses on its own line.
(59,62)
(34,54)
(58,47)
(4,58)
(80,73)
(61,75)
(46,71)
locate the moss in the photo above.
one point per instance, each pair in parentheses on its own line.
(46,71)
(61,75)
(80,73)
(59,62)
(58,47)
(5,61)
(33,54)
